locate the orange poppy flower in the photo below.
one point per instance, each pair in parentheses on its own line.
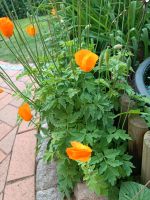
(79,152)
(54,12)
(1,90)
(31,30)
(86,59)
(6,27)
(24,112)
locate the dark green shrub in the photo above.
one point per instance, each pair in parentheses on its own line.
(22,7)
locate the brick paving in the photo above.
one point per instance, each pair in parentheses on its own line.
(17,146)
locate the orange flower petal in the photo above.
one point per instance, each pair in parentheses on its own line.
(1,90)
(80,155)
(31,30)
(24,112)
(6,27)
(80,55)
(78,145)
(89,62)
(79,152)
(86,60)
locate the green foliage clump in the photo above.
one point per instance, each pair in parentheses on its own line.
(81,107)
(21,8)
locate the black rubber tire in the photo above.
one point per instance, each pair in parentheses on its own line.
(139,77)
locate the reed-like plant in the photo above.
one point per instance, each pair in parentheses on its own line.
(111,22)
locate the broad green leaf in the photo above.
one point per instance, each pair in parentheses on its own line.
(134,191)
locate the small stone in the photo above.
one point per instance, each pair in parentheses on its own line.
(50,194)
(81,192)
(118,46)
(46,175)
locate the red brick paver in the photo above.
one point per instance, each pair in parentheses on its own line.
(7,142)
(23,157)
(24,127)
(20,190)
(7,99)
(1,196)
(4,129)
(2,156)
(3,173)
(17,148)
(9,115)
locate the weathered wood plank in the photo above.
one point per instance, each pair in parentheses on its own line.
(145,170)
(137,127)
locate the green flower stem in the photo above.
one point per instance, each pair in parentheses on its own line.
(20,60)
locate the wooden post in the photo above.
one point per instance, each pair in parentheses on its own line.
(126,104)
(137,127)
(145,171)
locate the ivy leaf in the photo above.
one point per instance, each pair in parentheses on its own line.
(132,190)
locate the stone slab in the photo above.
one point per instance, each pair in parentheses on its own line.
(50,194)
(82,192)
(42,149)
(46,175)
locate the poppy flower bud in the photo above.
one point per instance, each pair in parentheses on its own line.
(1,90)
(31,30)
(118,46)
(24,112)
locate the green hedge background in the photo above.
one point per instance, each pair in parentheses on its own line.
(22,7)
